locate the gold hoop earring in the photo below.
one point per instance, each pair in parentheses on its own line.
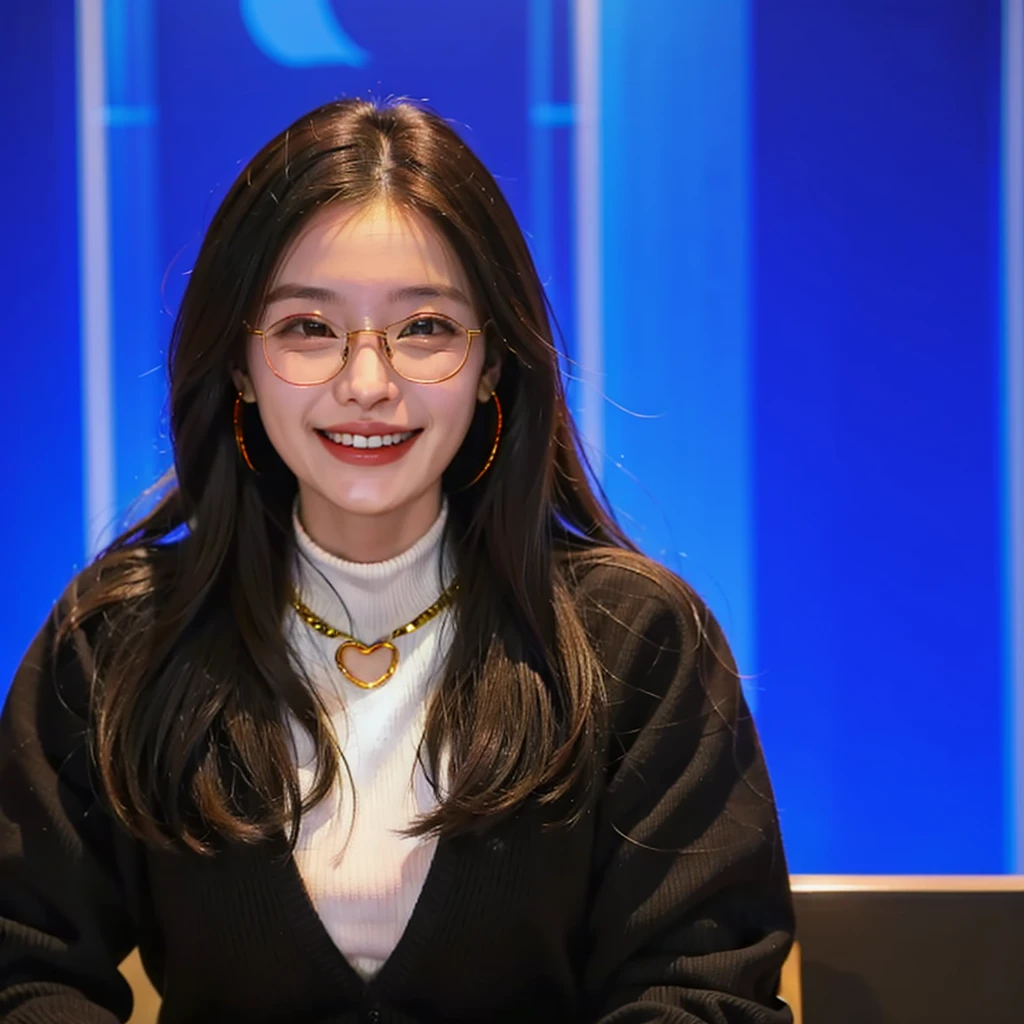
(236,418)
(494,447)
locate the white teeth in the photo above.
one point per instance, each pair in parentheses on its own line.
(368,440)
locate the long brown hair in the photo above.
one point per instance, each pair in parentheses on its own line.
(195,680)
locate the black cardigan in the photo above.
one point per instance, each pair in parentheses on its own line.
(669,902)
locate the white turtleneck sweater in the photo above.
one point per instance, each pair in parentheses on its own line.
(362,877)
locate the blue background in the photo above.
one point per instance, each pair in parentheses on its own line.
(800,210)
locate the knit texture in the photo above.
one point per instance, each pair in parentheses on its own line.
(667,903)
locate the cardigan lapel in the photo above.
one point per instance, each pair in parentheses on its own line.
(421,929)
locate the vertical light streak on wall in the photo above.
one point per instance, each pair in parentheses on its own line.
(589,319)
(132,118)
(1013,414)
(674,302)
(540,67)
(94,276)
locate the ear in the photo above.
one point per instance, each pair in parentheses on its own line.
(243,385)
(489,377)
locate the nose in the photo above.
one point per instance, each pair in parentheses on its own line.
(365,377)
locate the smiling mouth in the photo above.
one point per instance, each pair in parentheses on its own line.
(369,441)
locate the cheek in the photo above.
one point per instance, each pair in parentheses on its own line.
(283,411)
(451,412)
(450,418)
(452,404)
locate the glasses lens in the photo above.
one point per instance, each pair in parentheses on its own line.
(427,347)
(305,349)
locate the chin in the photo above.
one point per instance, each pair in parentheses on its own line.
(364,504)
(367,501)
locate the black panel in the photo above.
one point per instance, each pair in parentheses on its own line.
(912,958)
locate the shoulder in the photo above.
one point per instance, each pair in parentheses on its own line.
(662,652)
(102,601)
(46,709)
(626,599)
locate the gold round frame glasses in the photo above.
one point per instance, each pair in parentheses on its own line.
(306,349)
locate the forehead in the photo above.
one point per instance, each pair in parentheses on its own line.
(376,246)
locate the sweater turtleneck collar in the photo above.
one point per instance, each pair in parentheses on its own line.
(370,599)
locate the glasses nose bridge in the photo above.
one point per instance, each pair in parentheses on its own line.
(383,348)
(383,353)
(349,335)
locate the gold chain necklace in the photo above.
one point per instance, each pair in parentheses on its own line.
(351,646)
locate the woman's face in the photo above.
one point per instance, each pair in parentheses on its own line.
(356,268)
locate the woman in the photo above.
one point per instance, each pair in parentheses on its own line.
(378,715)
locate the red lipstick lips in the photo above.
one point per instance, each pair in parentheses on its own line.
(367,443)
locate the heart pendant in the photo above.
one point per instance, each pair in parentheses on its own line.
(354,659)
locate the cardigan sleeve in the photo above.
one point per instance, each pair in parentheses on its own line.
(64,926)
(691,912)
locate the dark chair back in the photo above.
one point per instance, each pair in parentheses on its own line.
(911,949)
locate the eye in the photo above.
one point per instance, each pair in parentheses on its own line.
(432,325)
(308,327)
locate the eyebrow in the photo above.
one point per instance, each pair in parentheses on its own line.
(418,291)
